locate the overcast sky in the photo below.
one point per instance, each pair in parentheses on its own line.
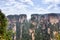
(29,6)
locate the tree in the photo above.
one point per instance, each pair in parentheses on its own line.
(4,33)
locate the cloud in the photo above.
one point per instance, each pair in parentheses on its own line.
(52,5)
(27,2)
(40,10)
(51,1)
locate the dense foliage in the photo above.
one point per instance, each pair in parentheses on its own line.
(4,33)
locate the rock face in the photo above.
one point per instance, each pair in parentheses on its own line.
(21,26)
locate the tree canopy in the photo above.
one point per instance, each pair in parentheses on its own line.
(4,33)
